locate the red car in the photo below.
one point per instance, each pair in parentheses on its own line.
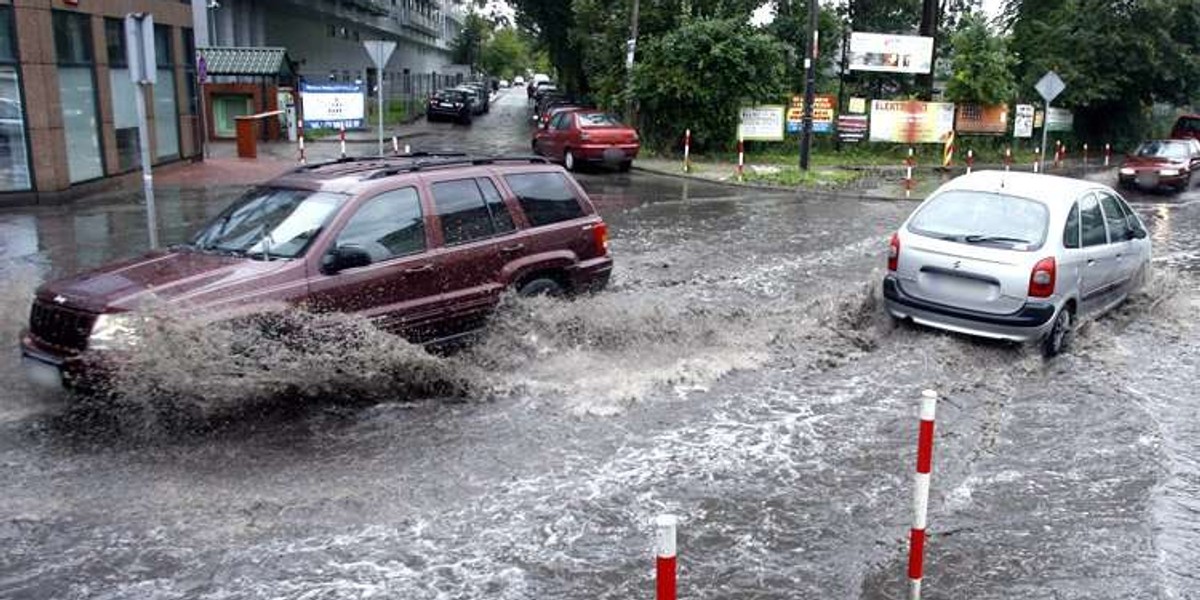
(1161,163)
(588,136)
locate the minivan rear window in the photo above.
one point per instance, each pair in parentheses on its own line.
(545,197)
(974,217)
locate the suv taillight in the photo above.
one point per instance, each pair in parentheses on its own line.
(1041,280)
(893,251)
(600,237)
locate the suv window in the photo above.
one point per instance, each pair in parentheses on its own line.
(545,197)
(1118,229)
(496,206)
(465,215)
(1071,230)
(1091,222)
(387,226)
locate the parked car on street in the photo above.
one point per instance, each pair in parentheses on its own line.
(504,83)
(450,104)
(483,94)
(477,106)
(518,81)
(1186,127)
(579,136)
(1015,256)
(1161,163)
(542,88)
(424,245)
(544,118)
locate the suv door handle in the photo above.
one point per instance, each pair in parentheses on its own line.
(421,269)
(512,248)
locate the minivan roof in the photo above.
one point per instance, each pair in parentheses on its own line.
(1050,189)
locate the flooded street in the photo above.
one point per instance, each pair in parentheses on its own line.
(739,372)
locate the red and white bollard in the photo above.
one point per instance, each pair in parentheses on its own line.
(1007,158)
(300,140)
(741,168)
(970,161)
(342,139)
(664,565)
(1057,153)
(1107,153)
(909,163)
(916,549)
(1037,163)
(1085,156)
(687,151)
(395,145)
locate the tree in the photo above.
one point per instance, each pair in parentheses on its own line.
(981,65)
(505,54)
(698,75)
(468,46)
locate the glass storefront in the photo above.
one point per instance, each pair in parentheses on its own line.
(125,122)
(166,113)
(77,93)
(14,155)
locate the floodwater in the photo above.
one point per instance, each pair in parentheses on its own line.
(739,373)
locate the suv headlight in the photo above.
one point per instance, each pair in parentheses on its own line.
(114,332)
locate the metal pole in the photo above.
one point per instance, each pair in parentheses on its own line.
(1045,131)
(810,82)
(379,66)
(147,173)
(631,51)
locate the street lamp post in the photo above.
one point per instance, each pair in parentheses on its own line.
(810,82)
(630,52)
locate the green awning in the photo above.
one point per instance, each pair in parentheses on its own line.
(225,60)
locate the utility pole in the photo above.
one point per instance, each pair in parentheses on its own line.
(841,97)
(630,52)
(810,82)
(929,28)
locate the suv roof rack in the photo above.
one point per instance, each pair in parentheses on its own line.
(351,160)
(449,160)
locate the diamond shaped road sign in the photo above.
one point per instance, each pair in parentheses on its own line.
(1050,86)
(379,51)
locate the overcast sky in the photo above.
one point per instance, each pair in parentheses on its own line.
(765,13)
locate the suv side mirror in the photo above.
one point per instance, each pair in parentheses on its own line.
(346,257)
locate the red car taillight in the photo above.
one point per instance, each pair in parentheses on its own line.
(893,251)
(1042,279)
(600,237)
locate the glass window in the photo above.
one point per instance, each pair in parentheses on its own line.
(1174,150)
(496,206)
(1091,222)
(166,112)
(14,155)
(464,215)
(983,218)
(599,120)
(559,121)
(545,197)
(77,95)
(387,226)
(8,41)
(1071,231)
(1135,224)
(269,222)
(1118,230)
(123,98)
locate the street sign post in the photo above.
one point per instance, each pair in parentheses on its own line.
(380,51)
(201,79)
(139,53)
(1049,86)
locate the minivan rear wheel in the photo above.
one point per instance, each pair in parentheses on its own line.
(542,286)
(1056,340)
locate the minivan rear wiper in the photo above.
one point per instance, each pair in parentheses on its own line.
(979,238)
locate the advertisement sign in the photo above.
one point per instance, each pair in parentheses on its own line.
(764,123)
(822,114)
(852,128)
(1023,121)
(911,121)
(985,120)
(858,106)
(1059,119)
(333,105)
(890,53)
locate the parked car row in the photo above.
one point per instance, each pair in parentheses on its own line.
(423,245)
(461,103)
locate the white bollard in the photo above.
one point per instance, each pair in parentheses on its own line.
(916,549)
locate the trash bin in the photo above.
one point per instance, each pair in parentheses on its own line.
(247,136)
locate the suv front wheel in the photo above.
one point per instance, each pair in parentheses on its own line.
(542,286)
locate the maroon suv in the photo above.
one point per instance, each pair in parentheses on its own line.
(423,245)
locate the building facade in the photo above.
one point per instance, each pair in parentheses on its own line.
(67,116)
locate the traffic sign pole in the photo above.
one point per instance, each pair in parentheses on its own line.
(1049,86)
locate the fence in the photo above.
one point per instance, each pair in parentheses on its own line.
(405,95)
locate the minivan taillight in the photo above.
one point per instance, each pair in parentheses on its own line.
(600,237)
(894,252)
(1042,279)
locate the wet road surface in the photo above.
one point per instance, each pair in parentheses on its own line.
(739,373)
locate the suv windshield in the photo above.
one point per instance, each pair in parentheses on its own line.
(974,217)
(269,223)
(1175,150)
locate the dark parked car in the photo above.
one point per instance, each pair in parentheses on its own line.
(450,104)
(1161,163)
(423,245)
(1186,127)
(579,136)
(477,106)
(483,94)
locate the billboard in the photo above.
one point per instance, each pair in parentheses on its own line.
(890,53)
(852,128)
(332,105)
(911,121)
(822,114)
(764,123)
(1059,119)
(978,119)
(1023,121)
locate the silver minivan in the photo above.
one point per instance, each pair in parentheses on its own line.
(1015,256)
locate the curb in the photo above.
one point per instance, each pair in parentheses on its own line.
(826,194)
(375,140)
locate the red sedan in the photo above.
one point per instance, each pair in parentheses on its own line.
(589,136)
(1161,163)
